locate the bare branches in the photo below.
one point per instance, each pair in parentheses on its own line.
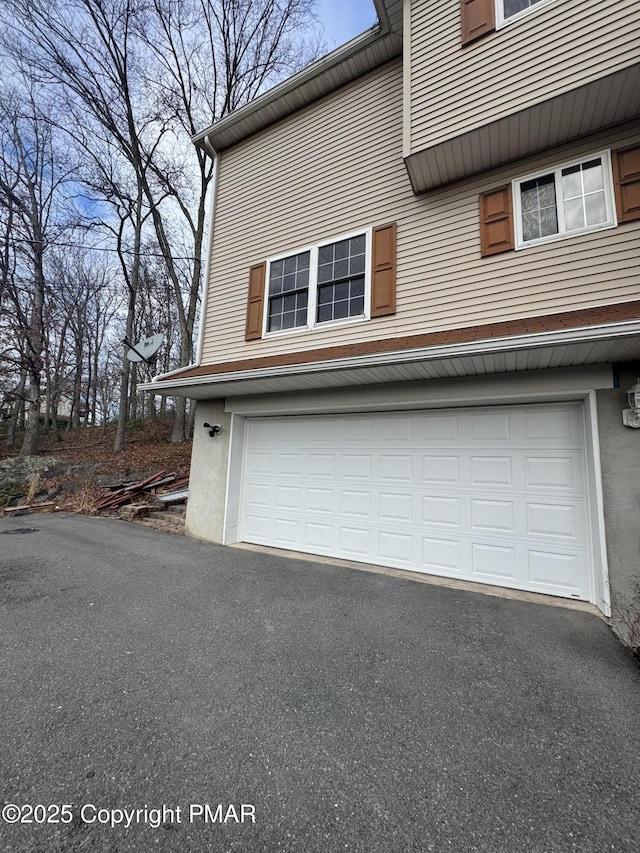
(132,81)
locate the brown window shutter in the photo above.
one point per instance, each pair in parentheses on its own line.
(255,303)
(383,271)
(496,221)
(478,19)
(626,180)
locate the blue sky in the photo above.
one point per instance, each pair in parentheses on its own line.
(344,19)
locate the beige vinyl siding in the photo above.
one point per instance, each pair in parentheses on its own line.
(556,48)
(335,167)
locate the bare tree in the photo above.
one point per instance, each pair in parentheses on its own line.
(213,56)
(31,178)
(141,77)
(86,50)
(84,301)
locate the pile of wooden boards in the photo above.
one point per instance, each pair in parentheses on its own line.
(117,496)
(41,506)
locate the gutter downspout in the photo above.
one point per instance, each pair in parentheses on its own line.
(207,267)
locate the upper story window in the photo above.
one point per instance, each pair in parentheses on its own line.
(318,285)
(571,199)
(343,280)
(577,197)
(288,292)
(508,10)
(481,17)
(341,273)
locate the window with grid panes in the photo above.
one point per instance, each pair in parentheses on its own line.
(568,200)
(288,292)
(320,284)
(514,7)
(508,9)
(341,271)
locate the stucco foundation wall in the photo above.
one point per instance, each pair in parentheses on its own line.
(620,461)
(208,480)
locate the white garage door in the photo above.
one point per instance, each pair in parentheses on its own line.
(494,495)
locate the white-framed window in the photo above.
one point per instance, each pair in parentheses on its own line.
(574,198)
(318,285)
(512,10)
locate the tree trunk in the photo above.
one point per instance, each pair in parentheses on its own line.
(30,440)
(193,405)
(35,340)
(76,403)
(133,281)
(18,410)
(133,397)
(179,420)
(55,425)
(124,386)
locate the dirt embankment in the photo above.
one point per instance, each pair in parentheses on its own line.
(72,473)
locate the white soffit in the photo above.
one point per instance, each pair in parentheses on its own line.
(610,100)
(533,352)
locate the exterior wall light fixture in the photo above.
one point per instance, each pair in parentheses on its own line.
(631,416)
(216,429)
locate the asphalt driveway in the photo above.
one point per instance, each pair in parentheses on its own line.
(271,704)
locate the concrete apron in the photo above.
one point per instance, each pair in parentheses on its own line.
(434,580)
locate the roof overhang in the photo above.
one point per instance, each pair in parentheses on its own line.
(595,344)
(357,57)
(604,102)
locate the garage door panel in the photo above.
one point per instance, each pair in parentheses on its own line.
(492,495)
(441,510)
(320,500)
(562,572)
(493,515)
(493,561)
(260,463)
(354,431)
(397,547)
(553,472)
(439,429)
(491,471)
(441,555)
(554,427)
(321,465)
(288,464)
(395,507)
(319,432)
(555,521)
(286,532)
(398,430)
(257,528)
(355,542)
(356,467)
(397,468)
(356,503)
(440,470)
(319,536)
(288,497)
(491,428)
(258,495)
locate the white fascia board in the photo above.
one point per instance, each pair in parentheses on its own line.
(206,138)
(533,340)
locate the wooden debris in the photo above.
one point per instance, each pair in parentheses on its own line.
(42,506)
(178,496)
(114,499)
